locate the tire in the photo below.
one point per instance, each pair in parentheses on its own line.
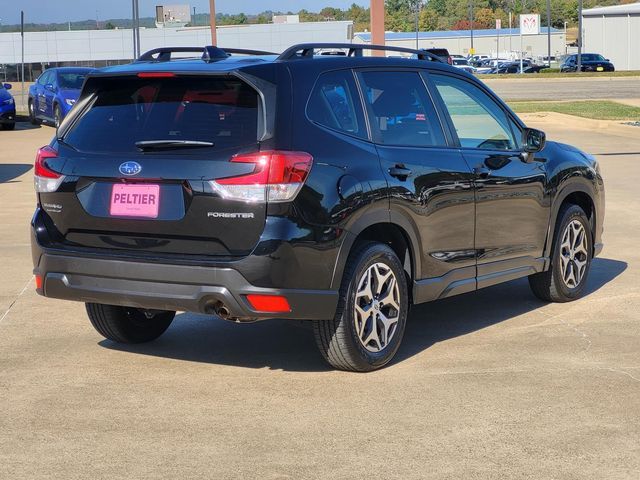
(552,285)
(32,114)
(8,126)
(127,324)
(57,116)
(338,339)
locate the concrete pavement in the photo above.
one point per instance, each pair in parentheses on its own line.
(494,384)
(536,87)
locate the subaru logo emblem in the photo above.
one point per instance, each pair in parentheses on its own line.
(130,168)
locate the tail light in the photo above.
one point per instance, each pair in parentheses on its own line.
(450,60)
(277,176)
(46,180)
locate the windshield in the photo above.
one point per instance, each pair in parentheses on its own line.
(71,80)
(460,61)
(223,112)
(592,57)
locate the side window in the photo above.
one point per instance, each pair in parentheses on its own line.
(44,78)
(517,132)
(479,121)
(400,109)
(334,103)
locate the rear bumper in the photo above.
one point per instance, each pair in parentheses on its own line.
(170,287)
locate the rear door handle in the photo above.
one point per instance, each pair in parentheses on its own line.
(400,172)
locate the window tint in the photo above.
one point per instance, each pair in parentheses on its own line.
(71,80)
(478,120)
(334,103)
(125,111)
(401,110)
(45,78)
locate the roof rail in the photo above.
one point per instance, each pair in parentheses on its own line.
(306,50)
(209,53)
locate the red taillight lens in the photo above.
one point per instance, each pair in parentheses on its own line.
(45,179)
(277,176)
(450,60)
(39,282)
(156,75)
(269,303)
(40,168)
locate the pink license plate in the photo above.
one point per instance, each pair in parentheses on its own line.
(135,200)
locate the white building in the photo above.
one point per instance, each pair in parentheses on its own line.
(103,47)
(505,42)
(614,32)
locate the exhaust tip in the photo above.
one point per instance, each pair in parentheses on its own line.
(219,309)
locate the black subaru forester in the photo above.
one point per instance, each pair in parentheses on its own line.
(320,185)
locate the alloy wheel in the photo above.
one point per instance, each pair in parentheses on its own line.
(573,254)
(377,307)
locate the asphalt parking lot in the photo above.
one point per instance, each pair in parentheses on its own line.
(494,384)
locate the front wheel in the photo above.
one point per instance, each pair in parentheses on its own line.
(571,257)
(57,116)
(128,324)
(370,320)
(32,114)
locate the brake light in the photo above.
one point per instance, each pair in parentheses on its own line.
(46,180)
(39,282)
(269,303)
(277,176)
(156,75)
(450,60)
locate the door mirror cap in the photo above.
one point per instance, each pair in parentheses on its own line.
(533,140)
(50,87)
(7,86)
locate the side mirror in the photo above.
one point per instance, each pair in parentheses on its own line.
(7,86)
(533,140)
(50,87)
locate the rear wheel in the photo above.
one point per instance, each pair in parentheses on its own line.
(57,116)
(570,260)
(32,114)
(128,324)
(370,320)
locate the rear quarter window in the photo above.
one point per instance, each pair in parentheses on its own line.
(334,103)
(127,110)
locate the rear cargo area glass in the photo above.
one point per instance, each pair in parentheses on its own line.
(223,111)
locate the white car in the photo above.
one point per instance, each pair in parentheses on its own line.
(487,66)
(463,64)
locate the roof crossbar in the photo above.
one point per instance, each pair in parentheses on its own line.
(209,53)
(307,50)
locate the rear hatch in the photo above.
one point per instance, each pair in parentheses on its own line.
(138,160)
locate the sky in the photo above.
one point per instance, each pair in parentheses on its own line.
(57,11)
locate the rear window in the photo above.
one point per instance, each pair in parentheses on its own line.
(71,80)
(223,111)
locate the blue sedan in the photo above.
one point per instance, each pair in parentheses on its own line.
(54,93)
(7,108)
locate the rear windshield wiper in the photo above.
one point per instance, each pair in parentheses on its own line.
(171,144)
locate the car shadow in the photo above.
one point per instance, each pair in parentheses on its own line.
(289,345)
(26,125)
(10,171)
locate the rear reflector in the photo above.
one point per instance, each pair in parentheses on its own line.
(39,282)
(156,75)
(269,303)
(277,176)
(45,179)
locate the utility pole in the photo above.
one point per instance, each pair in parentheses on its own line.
(472,51)
(549,33)
(579,35)
(417,4)
(22,62)
(212,22)
(377,26)
(193,21)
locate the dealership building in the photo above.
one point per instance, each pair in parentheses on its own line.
(614,32)
(504,43)
(101,48)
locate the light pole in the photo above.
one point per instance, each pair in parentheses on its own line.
(417,4)
(549,33)
(472,51)
(579,36)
